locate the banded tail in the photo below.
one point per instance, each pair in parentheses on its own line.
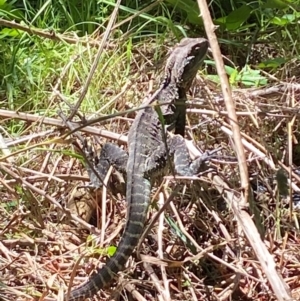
(138,197)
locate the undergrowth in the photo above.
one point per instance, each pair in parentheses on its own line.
(205,255)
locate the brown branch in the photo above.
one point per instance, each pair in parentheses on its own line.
(59,123)
(233,200)
(226,90)
(51,34)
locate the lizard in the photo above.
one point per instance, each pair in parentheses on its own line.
(148,154)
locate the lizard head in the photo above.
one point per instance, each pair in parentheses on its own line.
(185,60)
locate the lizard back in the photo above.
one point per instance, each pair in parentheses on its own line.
(145,135)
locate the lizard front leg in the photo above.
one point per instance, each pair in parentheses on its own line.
(82,203)
(110,154)
(177,150)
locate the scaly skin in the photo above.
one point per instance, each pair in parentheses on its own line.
(144,139)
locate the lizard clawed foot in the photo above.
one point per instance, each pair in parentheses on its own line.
(199,166)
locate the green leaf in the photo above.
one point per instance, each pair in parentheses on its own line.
(237,17)
(10,205)
(2,2)
(251,78)
(284,20)
(8,12)
(229,70)
(220,21)
(275,4)
(213,78)
(11,32)
(191,9)
(181,235)
(110,251)
(247,77)
(272,63)
(233,76)
(282,182)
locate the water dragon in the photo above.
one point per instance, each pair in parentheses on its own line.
(149,149)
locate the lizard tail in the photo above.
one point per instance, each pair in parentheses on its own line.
(138,205)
